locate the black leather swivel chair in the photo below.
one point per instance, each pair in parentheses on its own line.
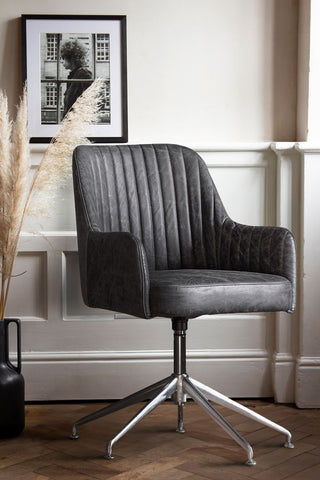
(155,241)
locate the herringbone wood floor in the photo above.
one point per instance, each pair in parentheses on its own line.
(154,451)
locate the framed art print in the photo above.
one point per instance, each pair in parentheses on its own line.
(62,55)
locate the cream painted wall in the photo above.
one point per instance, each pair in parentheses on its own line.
(313,95)
(303,70)
(198,72)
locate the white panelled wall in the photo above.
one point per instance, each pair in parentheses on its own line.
(73,352)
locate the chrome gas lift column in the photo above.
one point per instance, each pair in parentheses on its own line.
(179,397)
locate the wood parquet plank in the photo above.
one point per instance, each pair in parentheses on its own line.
(311,473)
(56,472)
(288,469)
(154,451)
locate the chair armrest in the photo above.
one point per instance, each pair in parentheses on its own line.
(117,273)
(259,249)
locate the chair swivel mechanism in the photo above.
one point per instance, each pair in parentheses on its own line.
(155,240)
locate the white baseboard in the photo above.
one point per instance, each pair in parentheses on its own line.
(110,375)
(284,378)
(308,382)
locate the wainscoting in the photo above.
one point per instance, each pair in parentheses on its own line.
(73,352)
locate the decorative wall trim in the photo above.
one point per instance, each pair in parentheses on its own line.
(308,362)
(141,355)
(283,358)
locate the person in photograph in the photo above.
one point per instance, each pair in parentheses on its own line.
(73,54)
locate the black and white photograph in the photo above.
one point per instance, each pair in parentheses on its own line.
(63,55)
(69,63)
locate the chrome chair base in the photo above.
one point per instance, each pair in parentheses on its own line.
(178,386)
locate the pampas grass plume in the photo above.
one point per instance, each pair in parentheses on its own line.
(5,171)
(55,166)
(17,197)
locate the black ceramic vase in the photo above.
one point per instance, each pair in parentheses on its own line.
(11,384)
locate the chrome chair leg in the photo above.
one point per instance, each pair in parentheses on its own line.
(180,398)
(198,397)
(160,397)
(221,399)
(136,397)
(180,428)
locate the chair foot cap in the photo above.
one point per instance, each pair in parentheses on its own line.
(250,462)
(288,445)
(74,436)
(108,456)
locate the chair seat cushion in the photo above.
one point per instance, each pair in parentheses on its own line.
(191,293)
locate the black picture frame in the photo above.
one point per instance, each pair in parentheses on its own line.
(103,52)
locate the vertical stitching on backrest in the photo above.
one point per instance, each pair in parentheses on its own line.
(151,213)
(113,161)
(212,248)
(189,210)
(102,159)
(163,213)
(187,206)
(175,202)
(203,248)
(137,192)
(125,194)
(192,226)
(126,189)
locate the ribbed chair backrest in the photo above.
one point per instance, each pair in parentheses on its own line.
(163,194)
